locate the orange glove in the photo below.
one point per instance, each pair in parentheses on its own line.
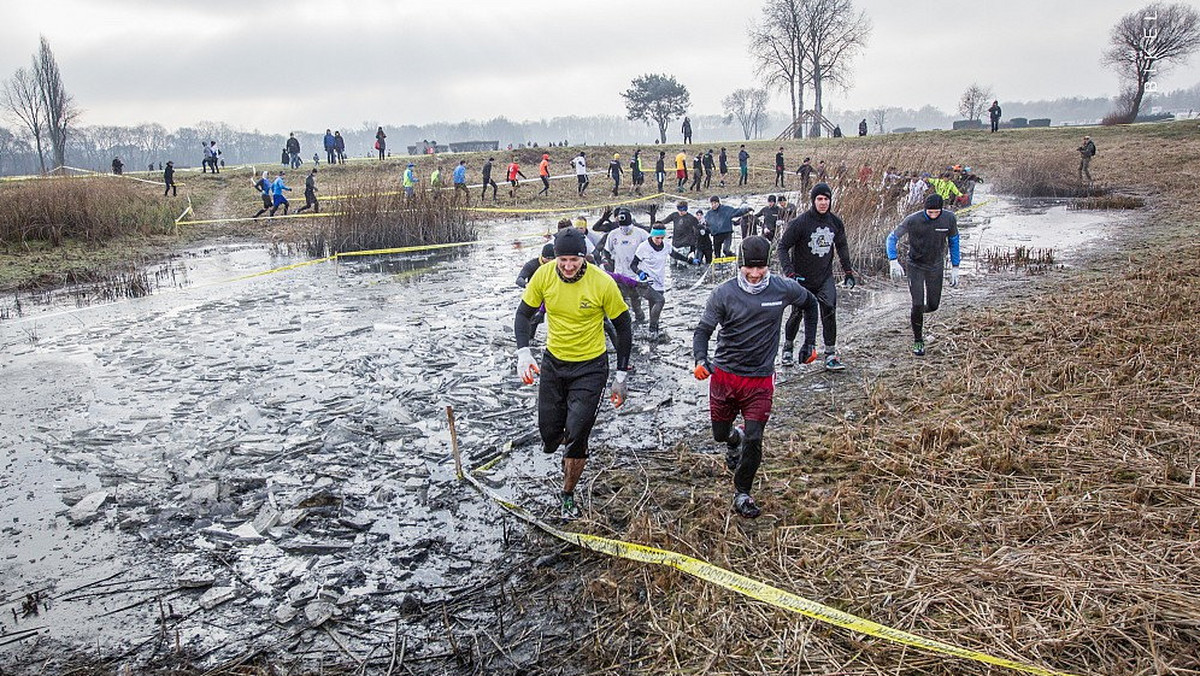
(702,371)
(808,354)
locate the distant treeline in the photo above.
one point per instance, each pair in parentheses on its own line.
(94,147)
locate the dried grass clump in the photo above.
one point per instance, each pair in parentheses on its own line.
(382,218)
(92,210)
(1043,176)
(1033,495)
(1105,202)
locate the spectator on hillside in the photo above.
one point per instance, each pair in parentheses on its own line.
(380,142)
(339,144)
(862,127)
(330,142)
(994,113)
(293,149)
(1086,152)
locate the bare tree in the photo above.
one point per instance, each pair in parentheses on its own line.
(748,106)
(1146,43)
(835,34)
(778,46)
(57,105)
(879,119)
(23,100)
(974,101)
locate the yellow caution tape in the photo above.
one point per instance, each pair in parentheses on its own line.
(502,210)
(973,206)
(404,249)
(755,589)
(282,269)
(261,218)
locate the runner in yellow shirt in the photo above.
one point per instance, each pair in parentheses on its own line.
(574,369)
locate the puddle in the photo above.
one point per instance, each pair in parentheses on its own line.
(270,452)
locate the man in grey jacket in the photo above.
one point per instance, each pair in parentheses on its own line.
(749,310)
(719,220)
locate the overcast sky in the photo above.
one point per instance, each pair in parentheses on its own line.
(308,64)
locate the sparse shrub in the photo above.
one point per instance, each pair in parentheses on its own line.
(380,217)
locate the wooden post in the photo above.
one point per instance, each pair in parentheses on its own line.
(458,470)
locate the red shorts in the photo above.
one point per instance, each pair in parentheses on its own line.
(681,173)
(730,394)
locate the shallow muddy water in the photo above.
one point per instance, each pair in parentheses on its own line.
(263,454)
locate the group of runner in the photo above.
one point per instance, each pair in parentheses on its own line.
(586,282)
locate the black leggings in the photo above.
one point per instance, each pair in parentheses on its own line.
(486,183)
(634,300)
(751,456)
(826,294)
(925,287)
(568,399)
(657,301)
(721,244)
(545,186)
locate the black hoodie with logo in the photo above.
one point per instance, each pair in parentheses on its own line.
(807,245)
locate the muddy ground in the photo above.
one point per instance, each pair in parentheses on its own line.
(231,471)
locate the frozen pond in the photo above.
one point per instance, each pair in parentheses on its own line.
(261,455)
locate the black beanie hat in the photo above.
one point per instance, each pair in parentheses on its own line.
(756,252)
(934,201)
(570,242)
(548,250)
(820,189)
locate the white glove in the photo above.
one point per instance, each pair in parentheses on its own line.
(954,276)
(527,367)
(620,390)
(895,269)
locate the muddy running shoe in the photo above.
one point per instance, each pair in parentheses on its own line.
(734,453)
(744,505)
(786,359)
(832,363)
(570,509)
(808,354)
(919,348)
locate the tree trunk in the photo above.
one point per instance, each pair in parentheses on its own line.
(1136,105)
(37,141)
(662,131)
(798,97)
(817,104)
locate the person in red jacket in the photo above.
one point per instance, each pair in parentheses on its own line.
(514,171)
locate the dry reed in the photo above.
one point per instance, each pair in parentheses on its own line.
(380,217)
(91,210)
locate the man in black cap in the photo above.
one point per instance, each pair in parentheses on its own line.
(929,232)
(577,297)
(806,255)
(749,309)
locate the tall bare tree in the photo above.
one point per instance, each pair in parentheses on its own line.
(1146,43)
(780,52)
(974,101)
(748,106)
(23,100)
(835,32)
(58,106)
